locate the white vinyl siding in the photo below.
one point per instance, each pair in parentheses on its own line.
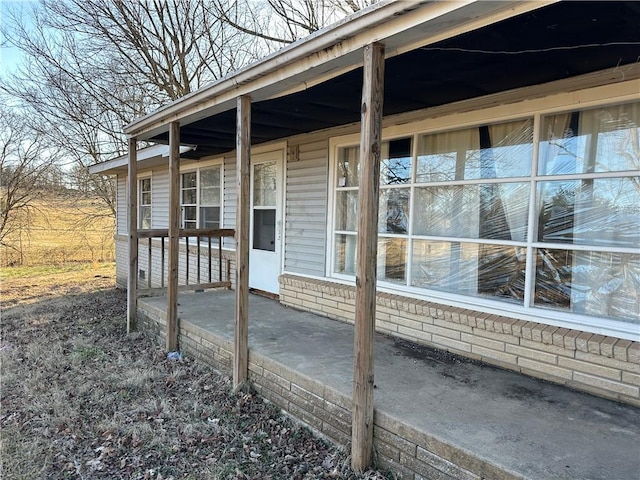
(229,198)
(306,211)
(122,261)
(160,199)
(121,206)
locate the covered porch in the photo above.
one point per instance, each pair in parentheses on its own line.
(436,416)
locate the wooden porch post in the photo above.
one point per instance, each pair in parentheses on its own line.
(174,236)
(370,144)
(243,152)
(132,277)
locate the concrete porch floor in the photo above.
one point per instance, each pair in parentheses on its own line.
(523,425)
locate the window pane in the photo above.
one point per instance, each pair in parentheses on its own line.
(189,180)
(347,210)
(145,185)
(447,211)
(393,214)
(210,177)
(444,156)
(145,217)
(189,196)
(348,166)
(495,151)
(189,214)
(210,196)
(508,150)
(209,217)
(599,140)
(594,212)
(473,211)
(146,198)
(210,186)
(395,164)
(590,283)
(392,260)
(264,229)
(264,185)
(345,254)
(469,269)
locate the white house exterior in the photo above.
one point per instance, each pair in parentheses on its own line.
(509,205)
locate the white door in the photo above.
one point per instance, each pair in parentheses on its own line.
(266,222)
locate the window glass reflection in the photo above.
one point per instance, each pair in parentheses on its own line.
(603,139)
(469,269)
(602,211)
(589,283)
(348,167)
(495,151)
(497,211)
(264,185)
(396,162)
(393,211)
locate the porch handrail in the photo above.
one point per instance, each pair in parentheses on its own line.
(187,232)
(224,274)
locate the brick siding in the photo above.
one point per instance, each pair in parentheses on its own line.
(605,366)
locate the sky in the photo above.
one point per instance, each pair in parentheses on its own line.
(10,57)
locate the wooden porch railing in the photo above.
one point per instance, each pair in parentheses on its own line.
(219,279)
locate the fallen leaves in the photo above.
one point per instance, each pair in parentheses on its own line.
(82,399)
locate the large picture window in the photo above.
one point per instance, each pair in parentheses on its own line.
(540,212)
(201,193)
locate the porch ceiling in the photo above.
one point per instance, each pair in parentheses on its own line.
(558,41)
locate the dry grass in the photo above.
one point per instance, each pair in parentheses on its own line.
(20,285)
(83,400)
(59,230)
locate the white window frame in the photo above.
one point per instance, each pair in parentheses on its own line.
(197,169)
(536,109)
(142,179)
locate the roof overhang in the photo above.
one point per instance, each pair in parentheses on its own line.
(328,53)
(149,157)
(437,53)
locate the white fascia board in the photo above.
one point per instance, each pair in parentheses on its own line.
(154,152)
(400,25)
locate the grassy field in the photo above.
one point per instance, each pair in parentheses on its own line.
(24,285)
(81,399)
(59,230)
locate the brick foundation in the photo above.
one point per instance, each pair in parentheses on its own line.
(605,366)
(408,452)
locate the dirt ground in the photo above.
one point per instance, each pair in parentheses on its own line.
(80,399)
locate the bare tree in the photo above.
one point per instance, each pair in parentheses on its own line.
(278,22)
(95,65)
(26,166)
(167,48)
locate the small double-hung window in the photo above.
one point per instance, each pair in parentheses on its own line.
(201,192)
(144,213)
